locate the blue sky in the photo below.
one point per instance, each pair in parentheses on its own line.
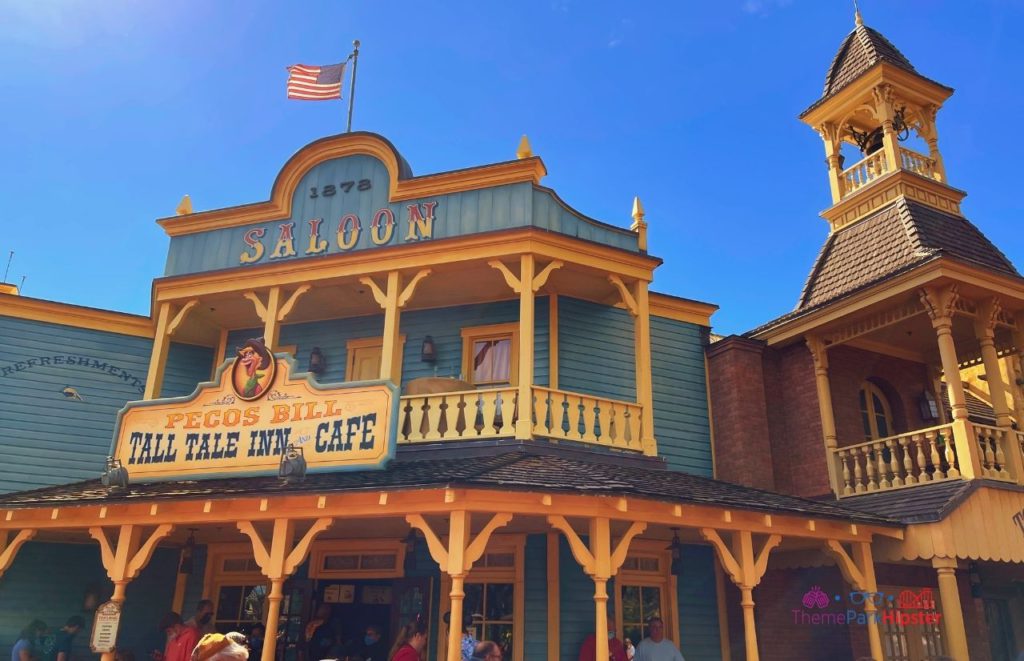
(113,110)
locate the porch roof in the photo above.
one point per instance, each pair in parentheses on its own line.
(923,504)
(516,467)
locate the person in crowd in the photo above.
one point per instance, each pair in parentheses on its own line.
(221,647)
(372,647)
(65,636)
(656,647)
(181,639)
(203,619)
(320,636)
(616,650)
(468,641)
(410,641)
(630,650)
(26,648)
(257,633)
(487,650)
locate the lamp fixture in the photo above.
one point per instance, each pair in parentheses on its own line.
(428,353)
(293,464)
(677,553)
(317,363)
(115,476)
(186,564)
(410,550)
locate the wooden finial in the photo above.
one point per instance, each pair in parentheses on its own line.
(184,207)
(524,150)
(639,224)
(857,19)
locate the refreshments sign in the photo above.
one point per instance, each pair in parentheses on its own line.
(254,412)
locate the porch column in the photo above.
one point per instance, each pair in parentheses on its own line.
(952,613)
(601,563)
(169,317)
(274,311)
(830,134)
(278,560)
(819,353)
(939,303)
(456,559)
(859,572)
(637,302)
(746,568)
(392,298)
(524,423)
(126,556)
(984,328)
(884,106)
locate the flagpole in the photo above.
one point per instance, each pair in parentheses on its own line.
(352,88)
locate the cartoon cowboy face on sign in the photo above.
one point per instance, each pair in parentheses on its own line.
(253,371)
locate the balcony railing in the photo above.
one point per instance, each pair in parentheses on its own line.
(866,170)
(917,163)
(924,456)
(483,414)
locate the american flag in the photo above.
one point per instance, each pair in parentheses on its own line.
(311,83)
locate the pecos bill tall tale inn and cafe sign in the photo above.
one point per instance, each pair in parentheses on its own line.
(254,413)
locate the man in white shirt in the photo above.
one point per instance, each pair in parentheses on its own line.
(656,647)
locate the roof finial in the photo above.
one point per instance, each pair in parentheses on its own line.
(639,224)
(184,207)
(857,19)
(524,150)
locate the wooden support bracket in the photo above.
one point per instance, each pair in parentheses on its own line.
(290,556)
(542,277)
(378,294)
(125,559)
(744,566)
(292,300)
(510,278)
(410,288)
(474,549)
(586,556)
(627,297)
(261,309)
(180,317)
(853,574)
(9,547)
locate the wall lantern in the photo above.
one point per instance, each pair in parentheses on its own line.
(975,579)
(116,475)
(317,363)
(410,550)
(293,464)
(186,564)
(927,405)
(677,553)
(429,352)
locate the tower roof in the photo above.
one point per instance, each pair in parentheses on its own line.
(862,49)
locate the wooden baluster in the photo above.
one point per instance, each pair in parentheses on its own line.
(446,426)
(999,436)
(432,420)
(507,406)
(487,409)
(405,429)
(923,474)
(460,417)
(589,405)
(416,418)
(543,423)
(894,463)
(564,419)
(858,475)
(604,417)
(883,467)
(847,489)
(908,462)
(614,429)
(951,471)
(869,464)
(938,473)
(989,457)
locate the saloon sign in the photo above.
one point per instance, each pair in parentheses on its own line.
(254,411)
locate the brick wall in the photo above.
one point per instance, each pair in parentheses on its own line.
(736,382)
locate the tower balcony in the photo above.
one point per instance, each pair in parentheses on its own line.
(876,165)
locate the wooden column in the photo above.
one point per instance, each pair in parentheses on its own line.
(884,108)
(819,353)
(636,300)
(125,557)
(392,298)
(984,328)
(745,568)
(524,423)
(939,303)
(830,134)
(278,561)
(859,571)
(169,317)
(952,614)
(601,562)
(456,559)
(274,311)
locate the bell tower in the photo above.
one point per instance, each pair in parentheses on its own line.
(875,100)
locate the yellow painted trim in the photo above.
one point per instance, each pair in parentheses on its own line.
(553,340)
(471,334)
(678,309)
(711,416)
(77,316)
(477,247)
(221,352)
(365,342)
(554,598)
(723,613)
(348,144)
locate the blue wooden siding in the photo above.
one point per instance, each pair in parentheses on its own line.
(47,438)
(595,349)
(444,325)
(698,605)
(576,596)
(49,582)
(535,581)
(194,583)
(457,214)
(681,423)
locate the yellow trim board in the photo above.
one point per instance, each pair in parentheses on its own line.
(349,144)
(76,316)
(681,309)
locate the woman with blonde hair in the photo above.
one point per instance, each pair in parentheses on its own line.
(410,642)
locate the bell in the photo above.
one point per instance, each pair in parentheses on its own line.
(873,142)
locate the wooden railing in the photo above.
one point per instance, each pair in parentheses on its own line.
(864,172)
(917,457)
(457,416)
(587,419)
(994,443)
(917,163)
(557,414)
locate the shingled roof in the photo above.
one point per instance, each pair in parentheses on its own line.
(516,467)
(926,503)
(893,239)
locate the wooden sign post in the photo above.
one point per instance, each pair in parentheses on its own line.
(104,628)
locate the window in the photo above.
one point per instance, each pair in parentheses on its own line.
(490,354)
(643,589)
(492,606)
(239,606)
(639,604)
(912,642)
(357,559)
(874,412)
